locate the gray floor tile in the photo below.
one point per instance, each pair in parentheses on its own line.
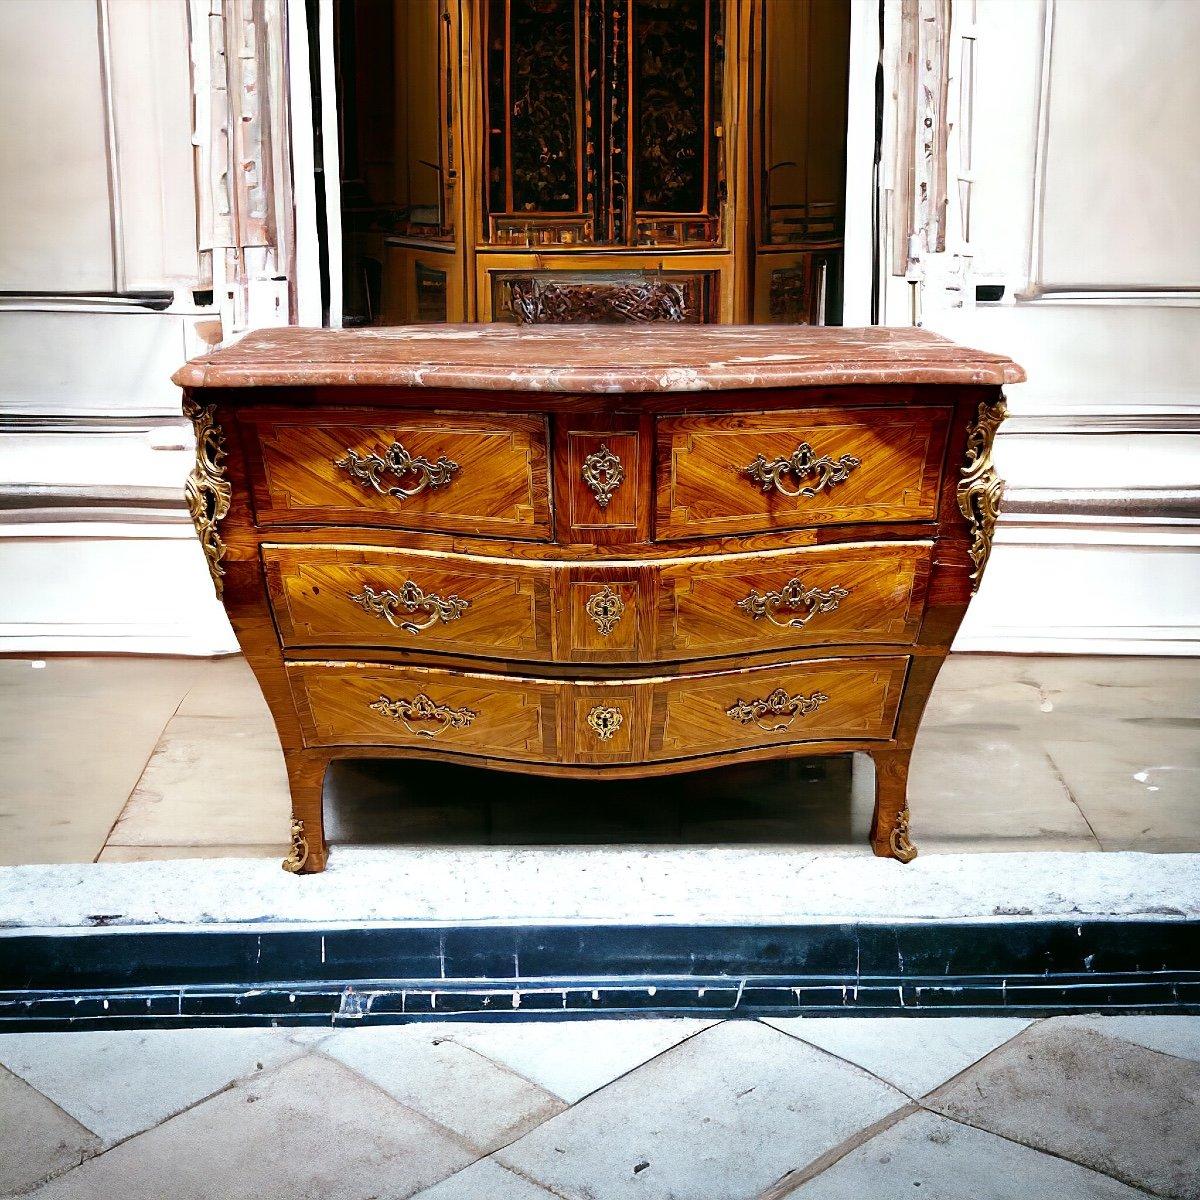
(309,1131)
(210,780)
(118,1083)
(572,1058)
(74,737)
(485,1180)
(37,1139)
(1179,1036)
(914,1054)
(1115,1107)
(935,1159)
(720,1117)
(487,1104)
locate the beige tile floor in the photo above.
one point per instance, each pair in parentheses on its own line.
(120,759)
(1077,1108)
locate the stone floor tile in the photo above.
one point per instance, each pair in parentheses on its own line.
(720,1117)
(74,737)
(912,1053)
(119,1082)
(165,853)
(487,1104)
(210,781)
(1138,787)
(485,1180)
(1023,807)
(573,1058)
(1118,1108)
(308,1131)
(929,1157)
(226,688)
(1178,1036)
(37,1139)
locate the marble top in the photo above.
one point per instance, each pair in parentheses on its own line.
(595,358)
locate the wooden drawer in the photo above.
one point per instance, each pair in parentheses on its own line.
(740,603)
(596,723)
(358,596)
(726,473)
(352,704)
(829,700)
(460,473)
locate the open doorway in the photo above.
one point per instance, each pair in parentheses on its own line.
(540,161)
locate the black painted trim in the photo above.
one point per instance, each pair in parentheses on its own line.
(339,976)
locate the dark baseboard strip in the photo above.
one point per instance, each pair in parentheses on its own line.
(344,977)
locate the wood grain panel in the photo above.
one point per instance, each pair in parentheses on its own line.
(703,489)
(505,612)
(500,487)
(498,715)
(691,716)
(706,605)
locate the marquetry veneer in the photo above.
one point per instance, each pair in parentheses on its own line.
(595,551)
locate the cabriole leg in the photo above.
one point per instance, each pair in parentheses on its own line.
(889,828)
(306,775)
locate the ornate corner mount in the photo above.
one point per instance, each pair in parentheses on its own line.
(981,489)
(776,712)
(207,490)
(792,598)
(422,716)
(606,609)
(297,855)
(367,471)
(605,721)
(410,599)
(804,465)
(898,842)
(603,473)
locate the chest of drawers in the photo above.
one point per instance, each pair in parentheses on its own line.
(595,551)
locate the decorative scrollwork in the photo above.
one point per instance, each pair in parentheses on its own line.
(898,842)
(779,705)
(297,854)
(410,599)
(207,490)
(606,608)
(603,473)
(980,490)
(421,709)
(367,470)
(605,721)
(793,597)
(804,464)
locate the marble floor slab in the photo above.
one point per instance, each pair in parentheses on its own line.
(1078,1108)
(134,759)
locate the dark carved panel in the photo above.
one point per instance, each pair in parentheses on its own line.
(431,294)
(616,297)
(533,135)
(670,71)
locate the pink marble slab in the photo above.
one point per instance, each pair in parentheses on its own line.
(595,358)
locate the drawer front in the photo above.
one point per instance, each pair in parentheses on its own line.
(861,594)
(345,704)
(453,472)
(743,473)
(355,596)
(830,700)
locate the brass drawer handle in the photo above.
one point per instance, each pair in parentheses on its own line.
(420,709)
(411,599)
(793,597)
(367,470)
(803,464)
(605,721)
(606,609)
(603,473)
(784,709)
